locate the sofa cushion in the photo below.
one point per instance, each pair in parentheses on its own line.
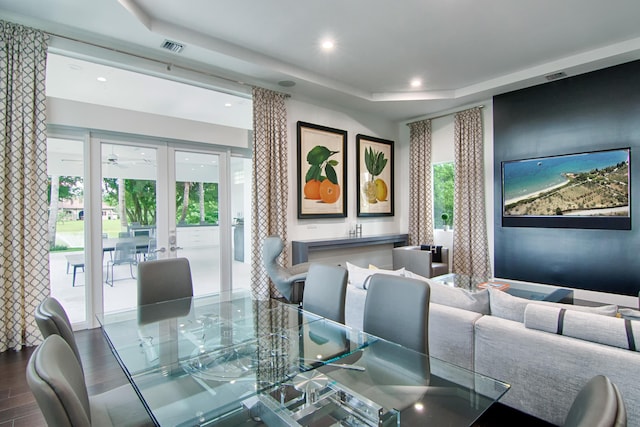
(359,277)
(455,297)
(512,308)
(585,326)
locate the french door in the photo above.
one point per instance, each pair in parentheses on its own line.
(164,199)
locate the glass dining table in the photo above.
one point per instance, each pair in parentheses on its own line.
(230,360)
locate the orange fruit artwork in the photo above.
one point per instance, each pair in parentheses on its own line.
(312,189)
(329,192)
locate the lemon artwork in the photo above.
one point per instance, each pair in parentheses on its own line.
(376,189)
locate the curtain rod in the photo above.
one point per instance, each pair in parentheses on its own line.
(445,115)
(168,64)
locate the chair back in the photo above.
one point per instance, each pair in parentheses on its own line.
(57,382)
(164,280)
(325,290)
(125,252)
(151,249)
(397,309)
(598,404)
(52,319)
(272,247)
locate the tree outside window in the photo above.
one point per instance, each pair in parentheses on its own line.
(443,175)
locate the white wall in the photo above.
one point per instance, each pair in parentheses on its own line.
(308,229)
(301,229)
(89,116)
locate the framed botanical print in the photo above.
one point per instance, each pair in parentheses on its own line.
(374,176)
(322,171)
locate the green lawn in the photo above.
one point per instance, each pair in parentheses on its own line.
(109,226)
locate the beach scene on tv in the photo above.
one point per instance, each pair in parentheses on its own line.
(587,184)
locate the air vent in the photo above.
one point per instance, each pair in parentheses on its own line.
(174,47)
(555,76)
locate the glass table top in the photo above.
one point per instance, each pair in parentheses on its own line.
(530,291)
(230,360)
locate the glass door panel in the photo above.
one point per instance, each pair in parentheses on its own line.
(240,185)
(65,167)
(197,217)
(129,177)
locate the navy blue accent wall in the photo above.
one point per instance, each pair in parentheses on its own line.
(595,111)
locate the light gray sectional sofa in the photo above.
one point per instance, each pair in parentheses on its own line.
(517,341)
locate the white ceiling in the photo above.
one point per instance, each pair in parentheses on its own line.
(465,51)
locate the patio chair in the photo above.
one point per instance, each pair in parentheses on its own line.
(125,253)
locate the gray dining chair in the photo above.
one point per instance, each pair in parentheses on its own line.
(397,309)
(56,379)
(164,280)
(52,319)
(598,404)
(325,290)
(283,278)
(124,254)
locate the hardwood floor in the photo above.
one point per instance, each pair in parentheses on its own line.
(18,407)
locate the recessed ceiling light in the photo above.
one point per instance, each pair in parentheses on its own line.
(327,44)
(416,83)
(102,79)
(228,104)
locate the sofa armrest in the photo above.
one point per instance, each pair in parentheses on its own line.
(412,258)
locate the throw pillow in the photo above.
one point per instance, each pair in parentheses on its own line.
(629,313)
(455,297)
(585,326)
(436,252)
(512,308)
(359,277)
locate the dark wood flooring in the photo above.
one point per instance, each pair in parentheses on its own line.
(18,407)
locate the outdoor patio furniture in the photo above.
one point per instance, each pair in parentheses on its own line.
(125,253)
(76,261)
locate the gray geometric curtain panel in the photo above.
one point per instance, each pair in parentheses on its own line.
(470,243)
(24,242)
(420,184)
(270,185)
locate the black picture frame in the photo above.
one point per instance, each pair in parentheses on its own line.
(375,188)
(322,156)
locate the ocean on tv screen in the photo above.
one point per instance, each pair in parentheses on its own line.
(588,184)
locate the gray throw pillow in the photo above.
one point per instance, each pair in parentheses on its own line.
(512,308)
(455,297)
(592,327)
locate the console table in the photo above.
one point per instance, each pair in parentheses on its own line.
(301,248)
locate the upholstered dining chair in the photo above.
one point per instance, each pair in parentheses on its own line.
(283,278)
(598,404)
(57,382)
(397,309)
(164,280)
(325,290)
(52,319)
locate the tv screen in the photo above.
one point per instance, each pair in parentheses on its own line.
(583,190)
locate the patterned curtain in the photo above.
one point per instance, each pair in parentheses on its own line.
(420,184)
(24,242)
(470,244)
(271,189)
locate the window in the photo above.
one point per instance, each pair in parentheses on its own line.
(443,194)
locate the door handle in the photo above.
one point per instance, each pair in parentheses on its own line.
(175,248)
(163,250)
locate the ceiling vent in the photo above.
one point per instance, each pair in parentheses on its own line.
(174,47)
(555,76)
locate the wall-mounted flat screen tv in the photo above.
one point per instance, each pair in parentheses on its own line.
(582,190)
